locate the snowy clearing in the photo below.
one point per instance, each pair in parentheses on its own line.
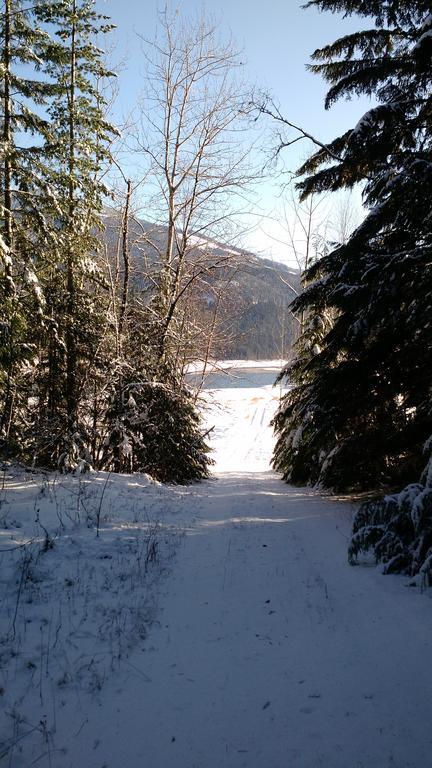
(247,642)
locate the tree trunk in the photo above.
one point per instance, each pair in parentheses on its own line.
(71,352)
(6,416)
(126,263)
(7,137)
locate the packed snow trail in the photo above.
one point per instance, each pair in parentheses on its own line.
(271,651)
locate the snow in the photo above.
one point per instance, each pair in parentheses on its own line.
(203,243)
(427,22)
(241,435)
(5,252)
(425,36)
(246,640)
(226,365)
(365,122)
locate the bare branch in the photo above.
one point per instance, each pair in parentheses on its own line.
(274,112)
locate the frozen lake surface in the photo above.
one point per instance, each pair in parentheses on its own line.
(236,378)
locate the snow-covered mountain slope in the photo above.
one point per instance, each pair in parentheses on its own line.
(253,316)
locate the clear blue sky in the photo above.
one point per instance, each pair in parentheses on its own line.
(276,38)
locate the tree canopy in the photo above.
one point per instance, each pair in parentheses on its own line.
(359,413)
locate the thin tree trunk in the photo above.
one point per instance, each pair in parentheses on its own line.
(126,263)
(166,282)
(71,352)
(6,417)
(7,135)
(94,437)
(118,460)
(307,259)
(8,396)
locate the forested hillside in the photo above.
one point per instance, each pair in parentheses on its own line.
(240,302)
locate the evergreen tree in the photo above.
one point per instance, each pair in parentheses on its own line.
(151,421)
(76,150)
(360,406)
(80,379)
(148,421)
(23,96)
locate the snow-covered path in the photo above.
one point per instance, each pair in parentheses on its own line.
(268,650)
(271,652)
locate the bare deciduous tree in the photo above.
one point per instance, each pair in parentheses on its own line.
(193,135)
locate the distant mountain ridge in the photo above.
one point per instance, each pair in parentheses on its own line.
(254,321)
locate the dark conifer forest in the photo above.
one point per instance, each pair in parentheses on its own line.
(359,415)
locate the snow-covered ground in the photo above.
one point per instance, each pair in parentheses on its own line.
(239,416)
(247,641)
